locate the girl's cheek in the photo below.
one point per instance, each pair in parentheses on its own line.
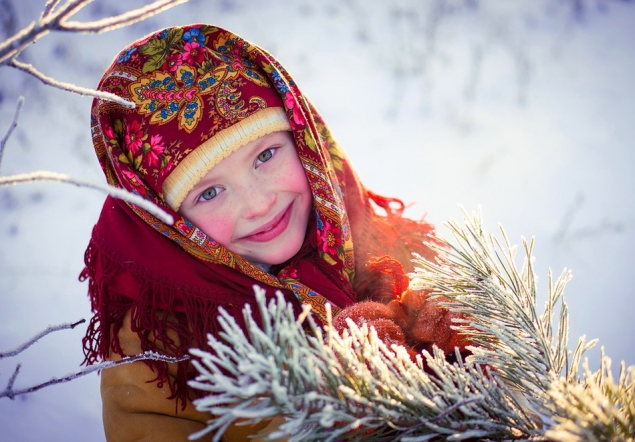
(292,175)
(220,226)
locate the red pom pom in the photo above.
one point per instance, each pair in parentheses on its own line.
(389,332)
(399,314)
(361,313)
(427,326)
(413,301)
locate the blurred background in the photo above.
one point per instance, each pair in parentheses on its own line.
(525,109)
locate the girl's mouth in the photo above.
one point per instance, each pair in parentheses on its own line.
(272,229)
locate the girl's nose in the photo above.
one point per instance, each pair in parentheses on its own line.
(257,202)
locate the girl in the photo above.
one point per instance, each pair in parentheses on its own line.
(222,138)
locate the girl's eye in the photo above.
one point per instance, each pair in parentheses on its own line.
(209,194)
(265,155)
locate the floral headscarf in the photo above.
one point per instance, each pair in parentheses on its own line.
(188,84)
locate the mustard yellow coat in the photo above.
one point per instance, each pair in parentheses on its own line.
(137,410)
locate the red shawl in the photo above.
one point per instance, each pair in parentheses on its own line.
(174,278)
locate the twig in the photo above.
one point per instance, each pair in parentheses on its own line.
(51,329)
(51,20)
(56,21)
(11,393)
(13,377)
(114,191)
(48,8)
(14,124)
(69,87)
(118,21)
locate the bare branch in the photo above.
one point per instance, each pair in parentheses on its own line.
(13,377)
(121,20)
(51,329)
(48,8)
(57,21)
(69,87)
(149,355)
(14,45)
(70,8)
(51,20)
(111,190)
(14,124)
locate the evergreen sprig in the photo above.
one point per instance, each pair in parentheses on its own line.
(521,383)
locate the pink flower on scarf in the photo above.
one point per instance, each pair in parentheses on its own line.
(290,102)
(134,180)
(134,137)
(329,239)
(108,132)
(193,53)
(288,273)
(154,149)
(172,62)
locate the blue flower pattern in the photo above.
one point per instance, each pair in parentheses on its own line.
(125,56)
(281,85)
(194,35)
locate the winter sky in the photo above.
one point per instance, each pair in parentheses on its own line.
(523,108)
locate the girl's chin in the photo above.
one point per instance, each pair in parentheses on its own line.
(276,258)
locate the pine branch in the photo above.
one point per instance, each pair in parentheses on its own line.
(55,177)
(478,277)
(598,408)
(331,387)
(519,384)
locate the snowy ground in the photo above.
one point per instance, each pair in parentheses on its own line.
(525,108)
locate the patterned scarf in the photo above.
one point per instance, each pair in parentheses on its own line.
(188,83)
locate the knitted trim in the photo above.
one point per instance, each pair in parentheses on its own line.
(200,161)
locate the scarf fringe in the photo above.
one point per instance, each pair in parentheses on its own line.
(160,314)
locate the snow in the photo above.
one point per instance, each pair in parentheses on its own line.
(522,108)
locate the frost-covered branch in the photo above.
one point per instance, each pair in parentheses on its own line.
(480,278)
(14,124)
(114,191)
(600,408)
(11,393)
(51,329)
(61,178)
(149,355)
(69,87)
(121,20)
(520,383)
(55,17)
(350,387)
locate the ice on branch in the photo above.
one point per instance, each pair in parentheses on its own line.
(11,392)
(521,382)
(116,192)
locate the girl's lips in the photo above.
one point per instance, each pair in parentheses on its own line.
(272,229)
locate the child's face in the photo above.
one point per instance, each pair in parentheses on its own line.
(256,202)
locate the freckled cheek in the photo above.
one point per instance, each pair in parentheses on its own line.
(220,227)
(293,178)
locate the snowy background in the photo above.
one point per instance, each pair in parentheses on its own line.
(526,108)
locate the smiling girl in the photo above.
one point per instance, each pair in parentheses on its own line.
(222,138)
